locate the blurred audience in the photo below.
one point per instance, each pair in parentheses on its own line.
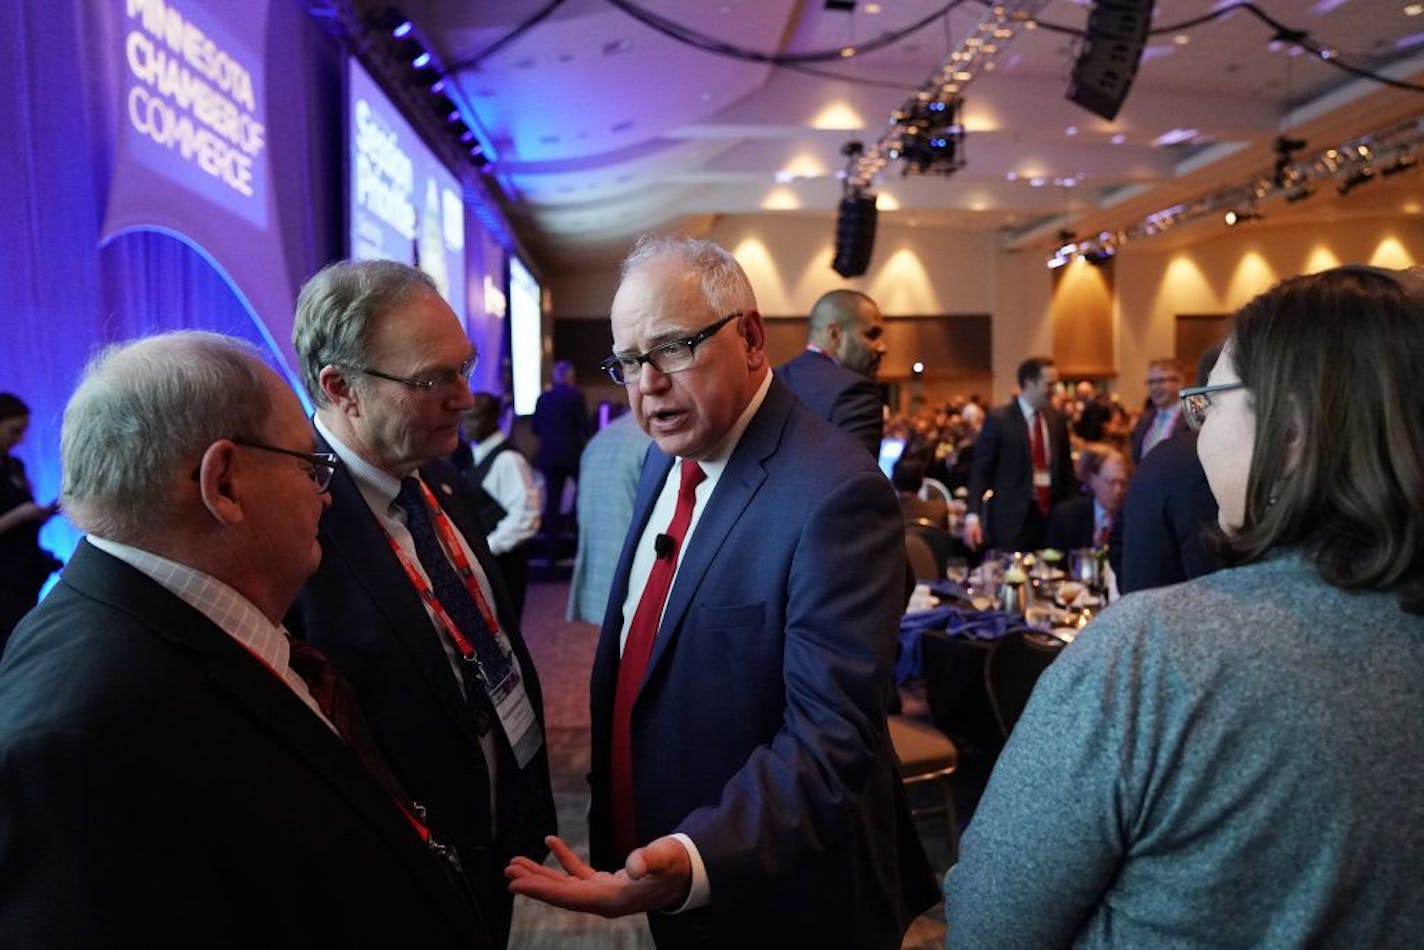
(24,565)
(1236,760)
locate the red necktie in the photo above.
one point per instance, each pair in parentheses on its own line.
(636,651)
(1040,463)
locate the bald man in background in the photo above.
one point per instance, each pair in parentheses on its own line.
(835,375)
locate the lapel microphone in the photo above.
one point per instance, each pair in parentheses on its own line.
(662,546)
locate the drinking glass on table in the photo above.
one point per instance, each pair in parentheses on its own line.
(957,570)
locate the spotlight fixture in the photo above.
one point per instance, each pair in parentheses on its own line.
(1356,178)
(1241,215)
(933,140)
(1403,163)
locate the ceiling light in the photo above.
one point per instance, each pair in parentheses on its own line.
(1413,9)
(1118,139)
(1241,215)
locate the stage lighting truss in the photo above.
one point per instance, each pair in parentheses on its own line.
(1349,166)
(978,52)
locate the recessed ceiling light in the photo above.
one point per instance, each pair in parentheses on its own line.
(1118,139)
(847,52)
(1181,39)
(872,8)
(1413,9)
(1071,130)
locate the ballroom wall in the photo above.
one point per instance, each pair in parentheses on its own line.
(933,270)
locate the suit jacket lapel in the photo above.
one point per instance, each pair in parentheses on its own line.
(243,679)
(350,531)
(739,482)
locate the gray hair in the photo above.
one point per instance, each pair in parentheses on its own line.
(337,308)
(142,412)
(724,284)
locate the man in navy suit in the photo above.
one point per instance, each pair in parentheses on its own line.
(167,778)
(835,375)
(424,631)
(1169,506)
(1025,487)
(744,788)
(1164,416)
(561,423)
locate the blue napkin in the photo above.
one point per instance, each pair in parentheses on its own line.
(955,621)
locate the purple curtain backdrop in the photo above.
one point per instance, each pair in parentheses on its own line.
(66,296)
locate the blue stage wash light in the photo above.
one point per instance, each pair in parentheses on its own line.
(402,29)
(421,61)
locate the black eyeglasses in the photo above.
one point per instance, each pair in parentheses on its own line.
(1196,400)
(320,467)
(674,356)
(436,379)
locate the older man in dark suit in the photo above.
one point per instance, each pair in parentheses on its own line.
(166,777)
(743,781)
(1023,456)
(835,375)
(408,602)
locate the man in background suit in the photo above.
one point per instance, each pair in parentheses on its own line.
(408,602)
(1164,416)
(835,375)
(166,778)
(744,786)
(561,423)
(1025,483)
(1169,506)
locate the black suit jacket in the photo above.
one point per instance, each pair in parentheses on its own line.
(360,609)
(1169,505)
(1003,462)
(1070,524)
(160,787)
(561,423)
(843,397)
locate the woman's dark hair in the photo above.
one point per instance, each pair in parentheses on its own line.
(1332,364)
(12,406)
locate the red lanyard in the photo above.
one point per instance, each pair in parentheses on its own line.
(451,542)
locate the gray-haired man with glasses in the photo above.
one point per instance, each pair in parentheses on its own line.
(409,603)
(159,733)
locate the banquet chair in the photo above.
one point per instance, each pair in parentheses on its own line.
(926,756)
(922,557)
(1011,670)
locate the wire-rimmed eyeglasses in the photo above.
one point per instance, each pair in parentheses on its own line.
(320,467)
(673,356)
(1197,399)
(433,380)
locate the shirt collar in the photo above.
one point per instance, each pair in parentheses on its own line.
(481,449)
(377,487)
(1025,408)
(229,610)
(714,465)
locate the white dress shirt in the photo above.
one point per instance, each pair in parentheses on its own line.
(510,482)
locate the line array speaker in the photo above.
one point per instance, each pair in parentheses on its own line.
(1117,31)
(855,234)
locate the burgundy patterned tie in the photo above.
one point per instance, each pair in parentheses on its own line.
(634,663)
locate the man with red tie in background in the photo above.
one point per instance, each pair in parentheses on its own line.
(173,772)
(744,789)
(1022,455)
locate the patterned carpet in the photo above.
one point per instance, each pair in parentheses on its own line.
(563,652)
